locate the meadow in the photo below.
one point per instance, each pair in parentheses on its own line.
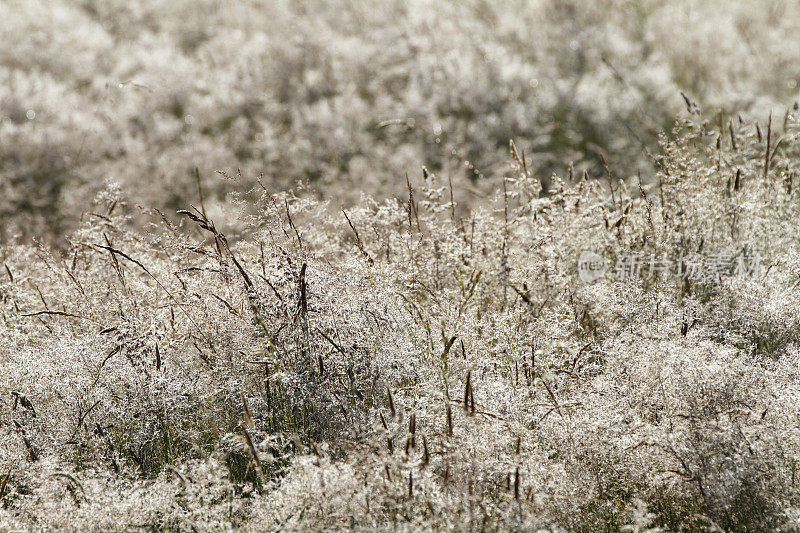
(309,266)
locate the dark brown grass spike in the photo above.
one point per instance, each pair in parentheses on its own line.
(114,261)
(291,223)
(390,399)
(200,191)
(466,390)
(359,242)
(4,484)
(253,450)
(767,151)
(449,421)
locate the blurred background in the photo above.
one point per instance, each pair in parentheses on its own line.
(348,97)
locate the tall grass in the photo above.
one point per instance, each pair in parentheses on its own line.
(350,96)
(410,364)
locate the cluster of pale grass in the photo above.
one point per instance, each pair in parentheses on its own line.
(403,365)
(350,95)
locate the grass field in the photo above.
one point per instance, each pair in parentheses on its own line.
(466,266)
